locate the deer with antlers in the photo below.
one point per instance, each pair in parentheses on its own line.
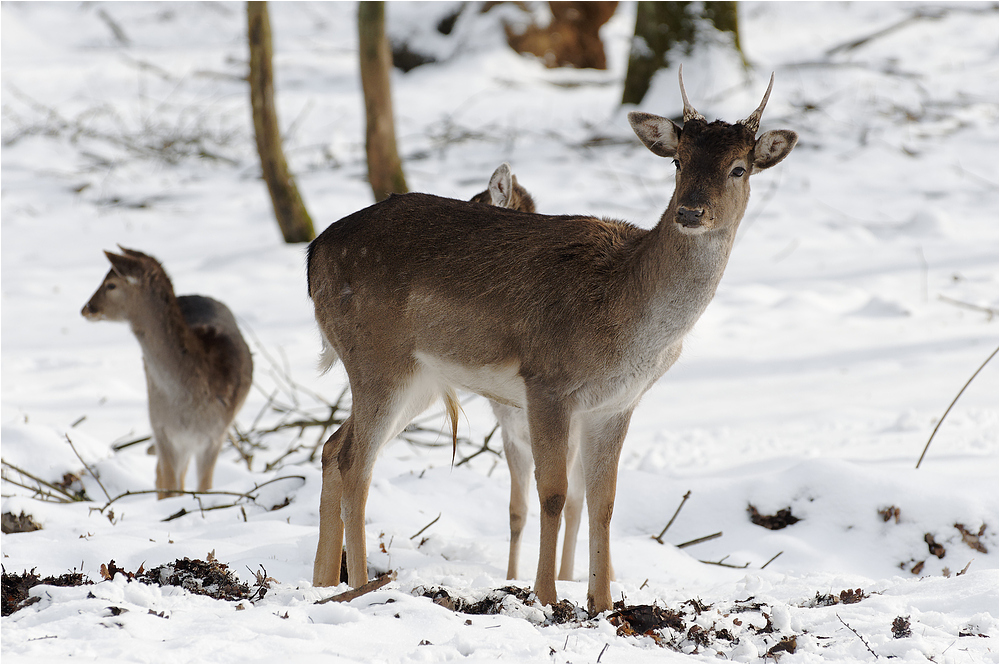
(571,318)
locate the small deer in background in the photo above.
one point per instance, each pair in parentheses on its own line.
(571,318)
(198,367)
(505,192)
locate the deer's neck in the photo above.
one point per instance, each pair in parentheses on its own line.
(172,353)
(678,274)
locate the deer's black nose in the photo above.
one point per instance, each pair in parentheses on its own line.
(690,216)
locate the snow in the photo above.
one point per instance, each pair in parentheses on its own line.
(861,295)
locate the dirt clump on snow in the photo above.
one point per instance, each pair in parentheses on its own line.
(22,523)
(17,588)
(779,520)
(205,578)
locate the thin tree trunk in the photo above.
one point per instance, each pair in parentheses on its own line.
(385,170)
(290,211)
(659,27)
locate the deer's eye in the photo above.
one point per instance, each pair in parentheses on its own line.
(677,163)
(738,172)
(112,286)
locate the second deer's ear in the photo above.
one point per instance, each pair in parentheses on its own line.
(658,134)
(500,186)
(127,267)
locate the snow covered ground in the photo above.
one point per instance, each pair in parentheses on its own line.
(861,295)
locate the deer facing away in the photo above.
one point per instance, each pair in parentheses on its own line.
(571,318)
(505,192)
(198,367)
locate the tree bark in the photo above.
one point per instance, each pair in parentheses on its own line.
(385,170)
(289,210)
(661,26)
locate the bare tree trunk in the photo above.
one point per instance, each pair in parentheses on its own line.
(659,27)
(385,170)
(290,211)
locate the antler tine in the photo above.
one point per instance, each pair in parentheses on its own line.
(689,111)
(753,120)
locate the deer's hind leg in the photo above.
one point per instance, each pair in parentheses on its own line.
(326,568)
(381,410)
(574,504)
(517,451)
(171,465)
(205,459)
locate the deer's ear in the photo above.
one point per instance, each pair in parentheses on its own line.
(658,134)
(500,186)
(772,147)
(128,267)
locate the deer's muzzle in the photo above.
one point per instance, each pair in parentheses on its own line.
(690,217)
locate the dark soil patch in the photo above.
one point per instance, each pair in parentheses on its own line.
(779,520)
(17,588)
(494,601)
(22,523)
(641,619)
(205,578)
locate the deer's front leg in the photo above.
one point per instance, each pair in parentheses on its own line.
(549,426)
(601,449)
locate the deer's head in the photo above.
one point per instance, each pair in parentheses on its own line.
(132,276)
(714,162)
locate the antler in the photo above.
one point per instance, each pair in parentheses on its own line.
(753,120)
(689,112)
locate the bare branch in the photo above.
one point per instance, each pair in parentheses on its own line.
(948,410)
(859,637)
(703,539)
(68,498)
(87,467)
(367,587)
(684,499)
(426,527)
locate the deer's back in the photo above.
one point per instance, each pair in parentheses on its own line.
(227,358)
(423,246)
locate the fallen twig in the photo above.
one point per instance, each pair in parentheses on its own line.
(65,497)
(855,43)
(197,495)
(116,29)
(989,311)
(87,467)
(948,410)
(703,539)
(426,527)
(721,562)
(859,637)
(367,587)
(485,447)
(772,559)
(126,444)
(684,499)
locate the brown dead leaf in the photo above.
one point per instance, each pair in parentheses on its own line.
(892,512)
(933,547)
(972,539)
(787,645)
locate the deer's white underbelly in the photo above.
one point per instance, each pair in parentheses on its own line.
(501,383)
